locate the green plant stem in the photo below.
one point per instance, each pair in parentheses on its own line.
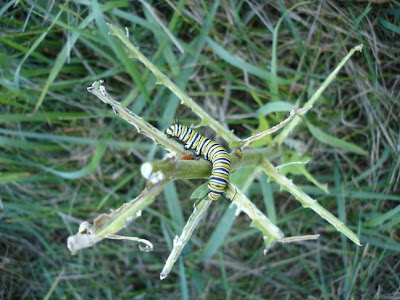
(191,169)
(161,78)
(271,233)
(139,123)
(296,120)
(180,242)
(295,110)
(106,225)
(118,218)
(307,201)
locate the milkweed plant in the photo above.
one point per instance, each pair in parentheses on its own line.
(159,173)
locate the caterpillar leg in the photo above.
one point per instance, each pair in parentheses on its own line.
(199,200)
(229,200)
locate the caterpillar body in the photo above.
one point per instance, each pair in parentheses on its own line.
(213,152)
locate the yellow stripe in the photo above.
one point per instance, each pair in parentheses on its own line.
(222,165)
(221,175)
(223,155)
(217,187)
(215,150)
(187,137)
(202,138)
(208,146)
(183,130)
(190,137)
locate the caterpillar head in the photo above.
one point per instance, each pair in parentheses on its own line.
(170,131)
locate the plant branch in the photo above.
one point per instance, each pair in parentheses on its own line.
(139,123)
(174,168)
(271,233)
(180,242)
(106,225)
(296,120)
(307,201)
(206,119)
(295,111)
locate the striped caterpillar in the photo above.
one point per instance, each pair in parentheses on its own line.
(213,152)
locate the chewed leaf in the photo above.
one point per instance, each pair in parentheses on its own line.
(256,224)
(268,239)
(296,165)
(333,141)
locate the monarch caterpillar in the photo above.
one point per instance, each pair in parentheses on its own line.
(213,152)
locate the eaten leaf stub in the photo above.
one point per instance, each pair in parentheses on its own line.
(85,228)
(269,241)
(170,155)
(256,224)
(156,177)
(147,172)
(83,239)
(148,246)
(163,275)
(176,241)
(146,169)
(95,85)
(102,90)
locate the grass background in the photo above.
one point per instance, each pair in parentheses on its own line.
(65,157)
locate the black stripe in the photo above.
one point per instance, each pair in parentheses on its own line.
(190,146)
(206,143)
(222,160)
(222,180)
(201,146)
(218,152)
(185,132)
(209,150)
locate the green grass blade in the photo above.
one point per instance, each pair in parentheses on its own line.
(333,141)
(11,177)
(389,26)
(217,238)
(341,212)
(268,197)
(387,216)
(64,139)
(183,281)
(238,62)
(272,107)
(60,60)
(174,206)
(119,50)
(6,7)
(33,48)
(88,169)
